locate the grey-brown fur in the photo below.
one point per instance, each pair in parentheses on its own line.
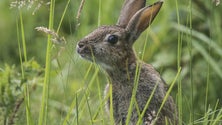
(119,61)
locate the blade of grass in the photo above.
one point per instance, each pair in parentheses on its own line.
(77,110)
(99,13)
(101,106)
(218,118)
(190,60)
(209,116)
(26,87)
(179,48)
(153,91)
(111,104)
(72,106)
(63,15)
(89,109)
(86,92)
(169,91)
(206,117)
(100,99)
(133,97)
(82,102)
(214,112)
(19,48)
(146,106)
(23,36)
(44,105)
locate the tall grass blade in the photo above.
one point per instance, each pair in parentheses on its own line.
(23,36)
(214,112)
(100,99)
(218,118)
(99,13)
(77,110)
(179,49)
(44,105)
(90,112)
(133,97)
(63,15)
(73,104)
(111,104)
(190,60)
(146,106)
(26,87)
(83,100)
(169,91)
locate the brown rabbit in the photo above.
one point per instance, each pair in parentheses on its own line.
(111,48)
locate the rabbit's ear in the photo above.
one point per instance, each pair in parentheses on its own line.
(129,8)
(142,19)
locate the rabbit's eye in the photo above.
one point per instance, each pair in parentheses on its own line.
(112,39)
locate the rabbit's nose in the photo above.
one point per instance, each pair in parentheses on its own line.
(80,44)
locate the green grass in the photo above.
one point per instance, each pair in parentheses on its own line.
(43,114)
(72,89)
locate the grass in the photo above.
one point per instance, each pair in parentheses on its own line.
(44,105)
(72,91)
(26,87)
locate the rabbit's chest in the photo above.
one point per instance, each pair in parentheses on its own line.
(120,103)
(121,98)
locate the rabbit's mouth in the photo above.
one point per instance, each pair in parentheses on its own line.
(84,52)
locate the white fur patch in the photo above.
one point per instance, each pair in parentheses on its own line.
(105,66)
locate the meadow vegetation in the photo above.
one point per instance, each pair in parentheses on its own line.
(44,81)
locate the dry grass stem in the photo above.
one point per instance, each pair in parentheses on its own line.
(56,39)
(79,12)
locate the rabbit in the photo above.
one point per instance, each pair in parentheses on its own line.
(111,47)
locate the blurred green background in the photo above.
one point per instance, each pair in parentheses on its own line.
(73,79)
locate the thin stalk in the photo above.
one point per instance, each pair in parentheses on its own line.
(23,36)
(99,13)
(100,97)
(146,106)
(82,102)
(44,105)
(77,110)
(133,97)
(63,15)
(213,115)
(218,118)
(190,62)
(179,98)
(111,104)
(101,106)
(19,49)
(153,91)
(90,112)
(73,104)
(169,90)
(208,62)
(145,44)
(26,88)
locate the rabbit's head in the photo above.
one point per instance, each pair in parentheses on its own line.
(111,46)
